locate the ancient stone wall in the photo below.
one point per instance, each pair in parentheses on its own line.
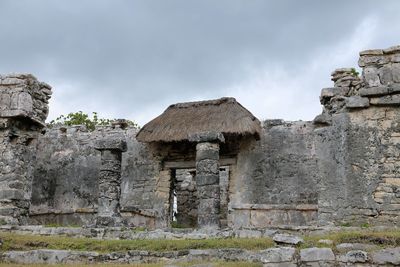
(341,168)
(23,110)
(65,178)
(358,142)
(275,180)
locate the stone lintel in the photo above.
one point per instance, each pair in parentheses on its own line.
(111,144)
(210,136)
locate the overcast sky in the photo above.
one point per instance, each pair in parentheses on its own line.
(131,59)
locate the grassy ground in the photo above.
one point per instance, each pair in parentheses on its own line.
(29,242)
(379,238)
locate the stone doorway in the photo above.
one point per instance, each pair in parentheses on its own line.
(184,198)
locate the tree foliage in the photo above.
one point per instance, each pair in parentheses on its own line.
(80,118)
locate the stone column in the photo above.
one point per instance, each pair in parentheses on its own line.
(207,178)
(23,111)
(109,182)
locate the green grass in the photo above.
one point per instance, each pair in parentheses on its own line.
(61,225)
(29,242)
(219,263)
(13,241)
(380,238)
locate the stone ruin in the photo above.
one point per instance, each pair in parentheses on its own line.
(196,167)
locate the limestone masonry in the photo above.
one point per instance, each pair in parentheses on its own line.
(343,167)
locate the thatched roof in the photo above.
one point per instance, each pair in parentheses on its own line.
(179,121)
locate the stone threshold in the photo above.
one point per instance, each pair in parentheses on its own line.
(278,256)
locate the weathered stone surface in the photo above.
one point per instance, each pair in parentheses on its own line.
(109,181)
(22,95)
(357,102)
(287,239)
(386,100)
(111,143)
(386,256)
(327,93)
(355,246)
(23,110)
(277,255)
(48,256)
(207,180)
(207,137)
(371,52)
(391,50)
(377,91)
(355,256)
(316,254)
(371,77)
(324,119)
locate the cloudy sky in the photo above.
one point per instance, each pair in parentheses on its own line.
(131,59)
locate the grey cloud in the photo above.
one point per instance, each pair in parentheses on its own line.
(129,55)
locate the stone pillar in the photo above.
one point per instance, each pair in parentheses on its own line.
(23,111)
(207,178)
(109,182)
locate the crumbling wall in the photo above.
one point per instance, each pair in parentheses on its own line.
(23,110)
(359,141)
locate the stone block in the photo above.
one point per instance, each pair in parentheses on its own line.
(207,137)
(12,194)
(372,52)
(327,93)
(389,100)
(385,75)
(209,191)
(324,119)
(386,256)
(240,218)
(356,256)
(280,264)
(207,166)
(111,144)
(287,239)
(208,207)
(392,181)
(376,91)
(207,154)
(371,77)
(277,255)
(357,102)
(396,72)
(392,50)
(368,60)
(316,254)
(202,180)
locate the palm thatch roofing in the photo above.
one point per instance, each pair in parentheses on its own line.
(179,121)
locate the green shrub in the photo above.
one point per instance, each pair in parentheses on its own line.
(80,118)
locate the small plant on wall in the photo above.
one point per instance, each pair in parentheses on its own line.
(80,118)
